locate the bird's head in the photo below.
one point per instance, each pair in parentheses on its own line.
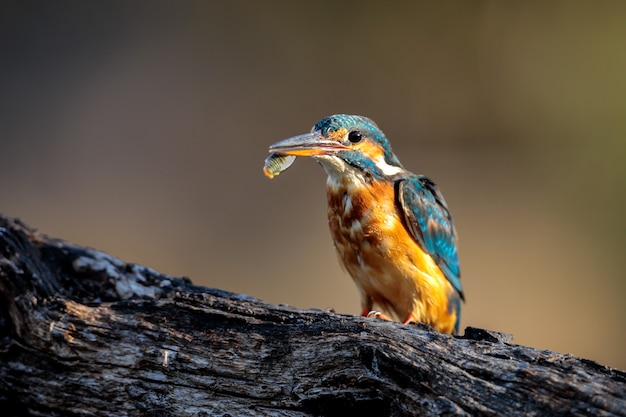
(344,143)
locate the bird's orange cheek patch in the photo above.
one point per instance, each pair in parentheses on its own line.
(373,150)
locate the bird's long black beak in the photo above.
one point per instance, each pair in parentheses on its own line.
(309,144)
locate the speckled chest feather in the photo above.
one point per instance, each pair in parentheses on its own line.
(389,268)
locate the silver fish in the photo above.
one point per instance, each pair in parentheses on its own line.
(277,163)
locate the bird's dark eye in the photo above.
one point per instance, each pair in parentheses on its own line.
(355,136)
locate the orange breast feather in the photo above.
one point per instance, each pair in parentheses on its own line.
(388,266)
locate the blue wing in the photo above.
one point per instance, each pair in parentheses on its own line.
(427,217)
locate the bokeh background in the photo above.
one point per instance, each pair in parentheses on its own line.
(140,128)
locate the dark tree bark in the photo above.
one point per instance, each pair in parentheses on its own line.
(85,334)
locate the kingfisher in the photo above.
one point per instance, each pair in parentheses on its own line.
(392,229)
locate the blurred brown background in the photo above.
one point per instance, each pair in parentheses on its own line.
(140,128)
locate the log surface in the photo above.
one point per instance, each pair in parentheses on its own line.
(83,333)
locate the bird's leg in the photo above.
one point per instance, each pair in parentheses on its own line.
(366,305)
(411,318)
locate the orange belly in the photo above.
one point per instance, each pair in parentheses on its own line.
(390,269)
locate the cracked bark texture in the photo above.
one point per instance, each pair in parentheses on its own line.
(83,333)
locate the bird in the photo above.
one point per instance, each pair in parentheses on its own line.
(392,229)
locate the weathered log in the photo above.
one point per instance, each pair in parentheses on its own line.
(84,334)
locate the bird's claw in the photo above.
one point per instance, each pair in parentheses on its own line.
(378,315)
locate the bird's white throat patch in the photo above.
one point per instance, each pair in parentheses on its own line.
(385,168)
